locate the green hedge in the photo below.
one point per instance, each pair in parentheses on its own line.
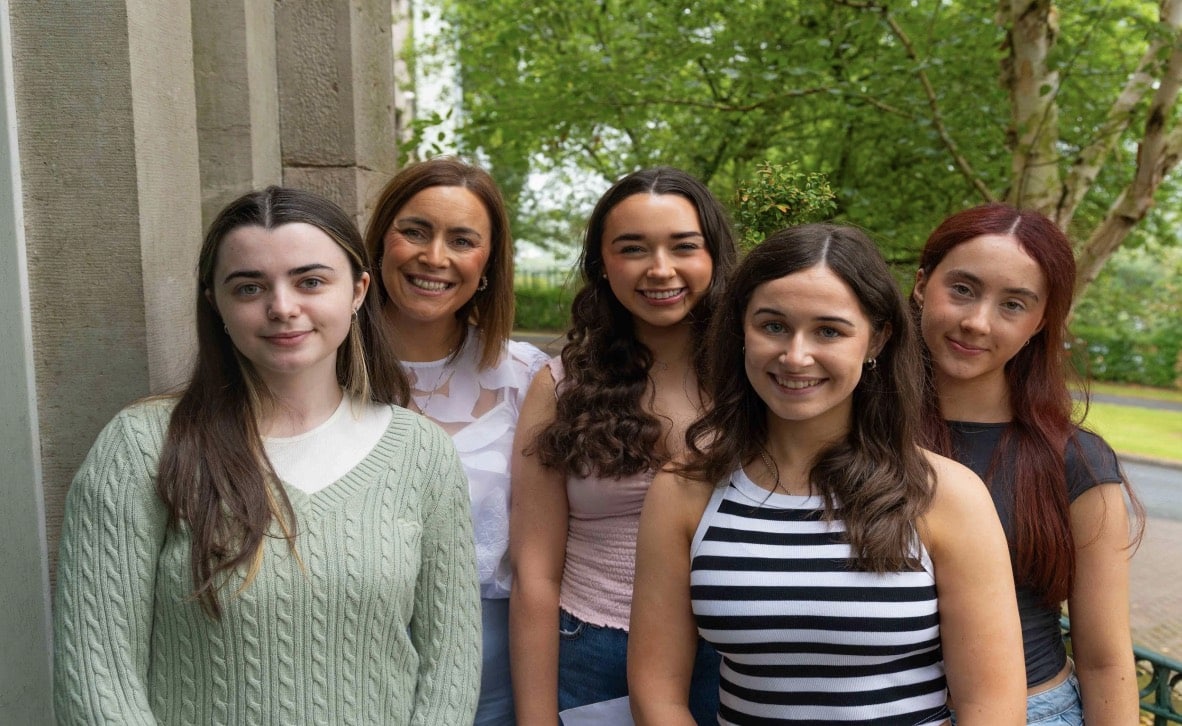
(542,307)
(1130,356)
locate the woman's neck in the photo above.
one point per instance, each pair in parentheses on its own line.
(671,346)
(977,400)
(294,409)
(793,446)
(421,342)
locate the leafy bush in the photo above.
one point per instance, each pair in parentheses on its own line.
(1129,356)
(542,307)
(780,195)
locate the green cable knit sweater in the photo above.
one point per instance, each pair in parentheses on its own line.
(382,627)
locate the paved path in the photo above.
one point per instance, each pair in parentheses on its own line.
(1156,588)
(1137,401)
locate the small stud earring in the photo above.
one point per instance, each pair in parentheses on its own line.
(871,364)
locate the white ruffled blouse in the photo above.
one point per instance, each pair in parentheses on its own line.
(479,409)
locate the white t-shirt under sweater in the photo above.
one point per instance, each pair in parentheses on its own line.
(316,458)
(479,408)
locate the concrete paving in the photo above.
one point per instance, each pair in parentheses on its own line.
(1155,589)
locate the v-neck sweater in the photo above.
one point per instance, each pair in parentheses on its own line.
(380,624)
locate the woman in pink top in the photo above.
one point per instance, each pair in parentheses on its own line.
(595,426)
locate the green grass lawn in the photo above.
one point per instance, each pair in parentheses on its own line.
(1143,431)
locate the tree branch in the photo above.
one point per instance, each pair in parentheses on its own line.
(1091,158)
(1157,154)
(937,117)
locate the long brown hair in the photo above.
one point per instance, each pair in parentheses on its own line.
(214,477)
(877,475)
(600,427)
(492,308)
(1036,377)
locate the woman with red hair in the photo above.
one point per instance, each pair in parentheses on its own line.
(992,296)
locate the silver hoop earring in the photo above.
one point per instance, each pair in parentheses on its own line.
(871,364)
(226,328)
(483,284)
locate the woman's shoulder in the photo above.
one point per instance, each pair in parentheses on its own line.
(961,505)
(516,366)
(1089,461)
(526,353)
(955,487)
(127,450)
(147,417)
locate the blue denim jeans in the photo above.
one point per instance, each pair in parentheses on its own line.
(496,689)
(1060,706)
(593,667)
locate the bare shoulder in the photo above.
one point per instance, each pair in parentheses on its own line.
(678,497)
(540,402)
(959,499)
(955,483)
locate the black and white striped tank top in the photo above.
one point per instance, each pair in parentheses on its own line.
(804,638)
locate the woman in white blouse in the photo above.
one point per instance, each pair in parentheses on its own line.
(440,239)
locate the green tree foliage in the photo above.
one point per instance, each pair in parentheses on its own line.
(1127,325)
(912,110)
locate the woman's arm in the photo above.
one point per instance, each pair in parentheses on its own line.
(445,627)
(980,632)
(102,618)
(1099,607)
(538,513)
(663,637)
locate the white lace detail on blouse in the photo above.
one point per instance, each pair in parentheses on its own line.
(479,409)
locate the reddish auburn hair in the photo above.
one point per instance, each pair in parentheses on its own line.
(1043,552)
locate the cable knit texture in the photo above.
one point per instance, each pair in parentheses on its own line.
(381,627)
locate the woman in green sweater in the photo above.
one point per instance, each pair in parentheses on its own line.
(281,542)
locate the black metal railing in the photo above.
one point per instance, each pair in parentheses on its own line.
(1161,694)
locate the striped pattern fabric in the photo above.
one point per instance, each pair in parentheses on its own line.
(804,637)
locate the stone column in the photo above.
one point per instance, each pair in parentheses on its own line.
(25,682)
(336,98)
(111,199)
(237,99)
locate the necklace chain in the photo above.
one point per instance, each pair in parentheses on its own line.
(439,383)
(771,467)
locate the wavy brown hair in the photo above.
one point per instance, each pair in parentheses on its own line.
(600,427)
(1042,549)
(214,477)
(877,475)
(491,309)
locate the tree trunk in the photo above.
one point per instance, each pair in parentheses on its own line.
(1032,26)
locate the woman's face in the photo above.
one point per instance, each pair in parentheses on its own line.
(655,257)
(434,254)
(287,297)
(806,339)
(979,307)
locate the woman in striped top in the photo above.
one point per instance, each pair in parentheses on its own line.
(843,573)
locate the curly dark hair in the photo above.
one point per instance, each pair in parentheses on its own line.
(600,427)
(877,475)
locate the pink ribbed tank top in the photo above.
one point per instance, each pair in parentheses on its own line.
(604,516)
